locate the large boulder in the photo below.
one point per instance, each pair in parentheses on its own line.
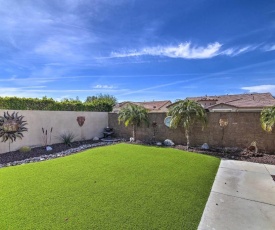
(168,142)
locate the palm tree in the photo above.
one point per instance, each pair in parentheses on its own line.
(133,115)
(268,118)
(185,114)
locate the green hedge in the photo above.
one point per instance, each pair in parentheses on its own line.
(15,103)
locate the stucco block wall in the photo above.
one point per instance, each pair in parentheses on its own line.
(61,121)
(242,129)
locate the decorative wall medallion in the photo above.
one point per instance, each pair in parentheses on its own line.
(12,126)
(223,122)
(167,121)
(81,120)
(154,124)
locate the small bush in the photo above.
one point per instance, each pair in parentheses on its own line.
(67,138)
(25,149)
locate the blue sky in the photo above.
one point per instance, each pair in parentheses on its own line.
(136,50)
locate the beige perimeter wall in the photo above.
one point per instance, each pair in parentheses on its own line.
(242,129)
(61,121)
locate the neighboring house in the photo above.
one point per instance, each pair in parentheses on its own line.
(152,106)
(235,103)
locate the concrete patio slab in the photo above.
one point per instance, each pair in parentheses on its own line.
(270,168)
(242,197)
(244,166)
(231,213)
(244,184)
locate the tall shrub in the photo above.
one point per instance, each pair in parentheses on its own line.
(16,103)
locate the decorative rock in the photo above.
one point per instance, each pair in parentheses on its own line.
(49,148)
(95,139)
(168,142)
(158,144)
(253,147)
(205,146)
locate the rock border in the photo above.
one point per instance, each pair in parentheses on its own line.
(56,155)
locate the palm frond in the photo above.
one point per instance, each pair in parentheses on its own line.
(133,115)
(186,113)
(268,119)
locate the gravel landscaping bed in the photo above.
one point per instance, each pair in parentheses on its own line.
(60,150)
(41,154)
(234,154)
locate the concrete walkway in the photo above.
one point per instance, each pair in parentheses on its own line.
(242,197)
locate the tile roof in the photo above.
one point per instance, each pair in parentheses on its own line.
(150,105)
(240,100)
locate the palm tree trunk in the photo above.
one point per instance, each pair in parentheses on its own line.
(187,138)
(222,135)
(134,132)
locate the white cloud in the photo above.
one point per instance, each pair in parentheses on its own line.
(236,51)
(269,48)
(34,91)
(260,89)
(104,87)
(183,50)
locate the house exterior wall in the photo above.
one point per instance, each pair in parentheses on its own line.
(229,108)
(61,121)
(206,104)
(223,107)
(242,129)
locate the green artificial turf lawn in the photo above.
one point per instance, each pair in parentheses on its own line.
(120,186)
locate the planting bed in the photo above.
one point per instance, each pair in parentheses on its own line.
(233,154)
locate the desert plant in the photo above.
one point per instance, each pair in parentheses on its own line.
(25,149)
(268,118)
(133,115)
(185,114)
(67,138)
(45,136)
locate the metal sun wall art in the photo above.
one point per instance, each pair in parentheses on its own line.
(12,126)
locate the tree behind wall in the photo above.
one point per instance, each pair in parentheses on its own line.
(16,103)
(102,98)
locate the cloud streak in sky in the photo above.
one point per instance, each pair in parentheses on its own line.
(184,50)
(269,48)
(104,87)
